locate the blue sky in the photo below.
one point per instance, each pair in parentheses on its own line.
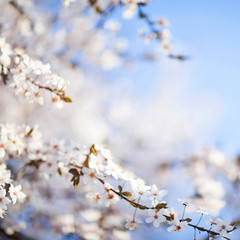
(210,32)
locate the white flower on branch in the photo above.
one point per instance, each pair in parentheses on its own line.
(30,78)
(110,198)
(170,214)
(210,221)
(132,224)
(177,226)
(5,56)
(95,163)
(90,175)
(95,198)
(77,161)
(140,189)
(114,170)
(156,217)
(222,227)
(16,193)
(156,194)
(5,175)
(186,202)
(2,150)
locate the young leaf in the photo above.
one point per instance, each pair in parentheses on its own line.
(74,172)
(127,194)
(65,98)
(120,188)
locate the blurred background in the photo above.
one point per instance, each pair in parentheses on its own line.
(153,111)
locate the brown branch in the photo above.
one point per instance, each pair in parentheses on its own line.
(153,28)
(143,207)
(205,230)
(57,92)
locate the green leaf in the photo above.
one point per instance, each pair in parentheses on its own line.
(120,188)
(93,150)
(161,205)
(30,132)
(65,98)
(127,194)
(75,181)
(133,204)
(59,171)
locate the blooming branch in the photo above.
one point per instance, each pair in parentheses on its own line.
(95,165)
(27,77)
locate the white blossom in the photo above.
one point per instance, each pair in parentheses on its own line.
(156,217)
(222,227)
(177,226)
(156,194)
(16,193)
(5,175)
(132,224)
(171,214)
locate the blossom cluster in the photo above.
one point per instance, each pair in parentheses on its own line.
(130,6)
(30,78)
(106,181)
(157,29)
(97,166)
(8,192)
(161,33)
(219,226)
